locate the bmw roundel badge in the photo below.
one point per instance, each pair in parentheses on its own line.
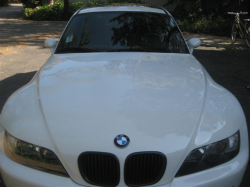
(121,140)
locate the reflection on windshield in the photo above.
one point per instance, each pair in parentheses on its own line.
(122,31)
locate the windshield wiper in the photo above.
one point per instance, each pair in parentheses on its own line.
(133,49)
(75,50)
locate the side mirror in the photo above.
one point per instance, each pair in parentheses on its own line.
(193,43)
(50,43)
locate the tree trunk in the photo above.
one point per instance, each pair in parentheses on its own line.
(204,7)
(66,10)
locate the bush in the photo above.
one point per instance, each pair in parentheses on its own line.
(210,24)
(54,12)
(4,2)
(28,13)
(204,17)
(74,6)
(94,3)
(51,12)
(31,3)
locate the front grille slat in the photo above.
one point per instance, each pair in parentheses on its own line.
(100,169)
(144,168)
(141,169)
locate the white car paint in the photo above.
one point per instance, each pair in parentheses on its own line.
(163,102)
(228,174)
(132,8)
(193,43)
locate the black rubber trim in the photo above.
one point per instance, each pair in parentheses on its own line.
(80,166)
(161,172)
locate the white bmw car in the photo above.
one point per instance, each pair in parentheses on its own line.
(122,102)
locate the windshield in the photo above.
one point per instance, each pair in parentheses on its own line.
(122,31)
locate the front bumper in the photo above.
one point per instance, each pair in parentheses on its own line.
(228,174)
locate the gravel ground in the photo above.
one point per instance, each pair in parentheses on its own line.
(22,54)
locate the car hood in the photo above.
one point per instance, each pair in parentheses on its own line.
(140,95)
(88,99)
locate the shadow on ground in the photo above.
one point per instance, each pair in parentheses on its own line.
(1,181)
(13,11)
(9,85)
(30,33)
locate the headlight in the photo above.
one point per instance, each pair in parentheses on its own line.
(33,156)
(211,155)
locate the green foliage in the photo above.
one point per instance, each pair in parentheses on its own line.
(206,24)
(205,7)
(94,3)
(51,12)
(206,16)
(31,3)
(54,12)
(28,13)
(74,6)
(4,2)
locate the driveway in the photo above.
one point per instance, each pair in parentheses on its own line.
(22,54)
(13,11)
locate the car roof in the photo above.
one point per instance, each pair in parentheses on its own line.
(127,8)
